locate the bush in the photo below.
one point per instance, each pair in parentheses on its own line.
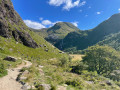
(63,61)
(3,71)
(75,83)
(79,68)
(53,87)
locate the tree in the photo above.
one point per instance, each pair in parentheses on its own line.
(102,59)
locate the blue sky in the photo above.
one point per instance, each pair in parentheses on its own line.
(85,14)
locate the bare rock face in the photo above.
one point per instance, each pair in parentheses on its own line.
(11,25)
(25,38)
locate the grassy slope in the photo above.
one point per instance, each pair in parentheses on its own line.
(10,47)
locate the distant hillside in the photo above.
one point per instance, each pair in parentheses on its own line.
(57,32)
(112,40)
(82,40)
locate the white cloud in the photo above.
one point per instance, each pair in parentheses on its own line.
(49,23)
(75,23)
(33,24)
(46,22)
(119,9)
(43,24)
(82,3)
(67,4)
(98,13)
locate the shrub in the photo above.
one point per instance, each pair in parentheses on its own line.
(75,83)
(79,68)
(3,71)
(53,87)
(63,61)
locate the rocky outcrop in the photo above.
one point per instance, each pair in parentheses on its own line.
(25,38)
(11,25)
(12,59)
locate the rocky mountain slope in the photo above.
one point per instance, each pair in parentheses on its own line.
(11,25)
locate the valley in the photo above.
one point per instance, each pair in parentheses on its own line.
(61,57)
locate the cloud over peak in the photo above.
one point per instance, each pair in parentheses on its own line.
(40,25)
(67,4)
(75,24)
(33,24)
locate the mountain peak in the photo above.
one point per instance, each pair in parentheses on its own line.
(57,32)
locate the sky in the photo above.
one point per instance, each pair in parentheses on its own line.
(85,14)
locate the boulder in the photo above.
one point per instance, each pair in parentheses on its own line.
(25,72)
(45,86)
(46,50)
(40,66)
(108,83)
(26,87)
(23,78)
(12,59)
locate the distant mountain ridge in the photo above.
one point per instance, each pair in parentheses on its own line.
(76,39)
(82,40)
(57,32)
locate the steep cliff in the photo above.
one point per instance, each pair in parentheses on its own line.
(12,26)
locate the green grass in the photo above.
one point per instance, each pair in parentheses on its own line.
(9,47)
(3,71)
(55,74)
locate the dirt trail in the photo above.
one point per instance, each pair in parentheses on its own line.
(9,82)
(61,88)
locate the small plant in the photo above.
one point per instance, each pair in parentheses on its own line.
(63,61)
(3,71)
(75,83)
(53,87)
(41,88)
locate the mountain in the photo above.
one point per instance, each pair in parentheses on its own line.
(81,40)
(18,40)
(57,32)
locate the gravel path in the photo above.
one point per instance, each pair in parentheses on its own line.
(9,82)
